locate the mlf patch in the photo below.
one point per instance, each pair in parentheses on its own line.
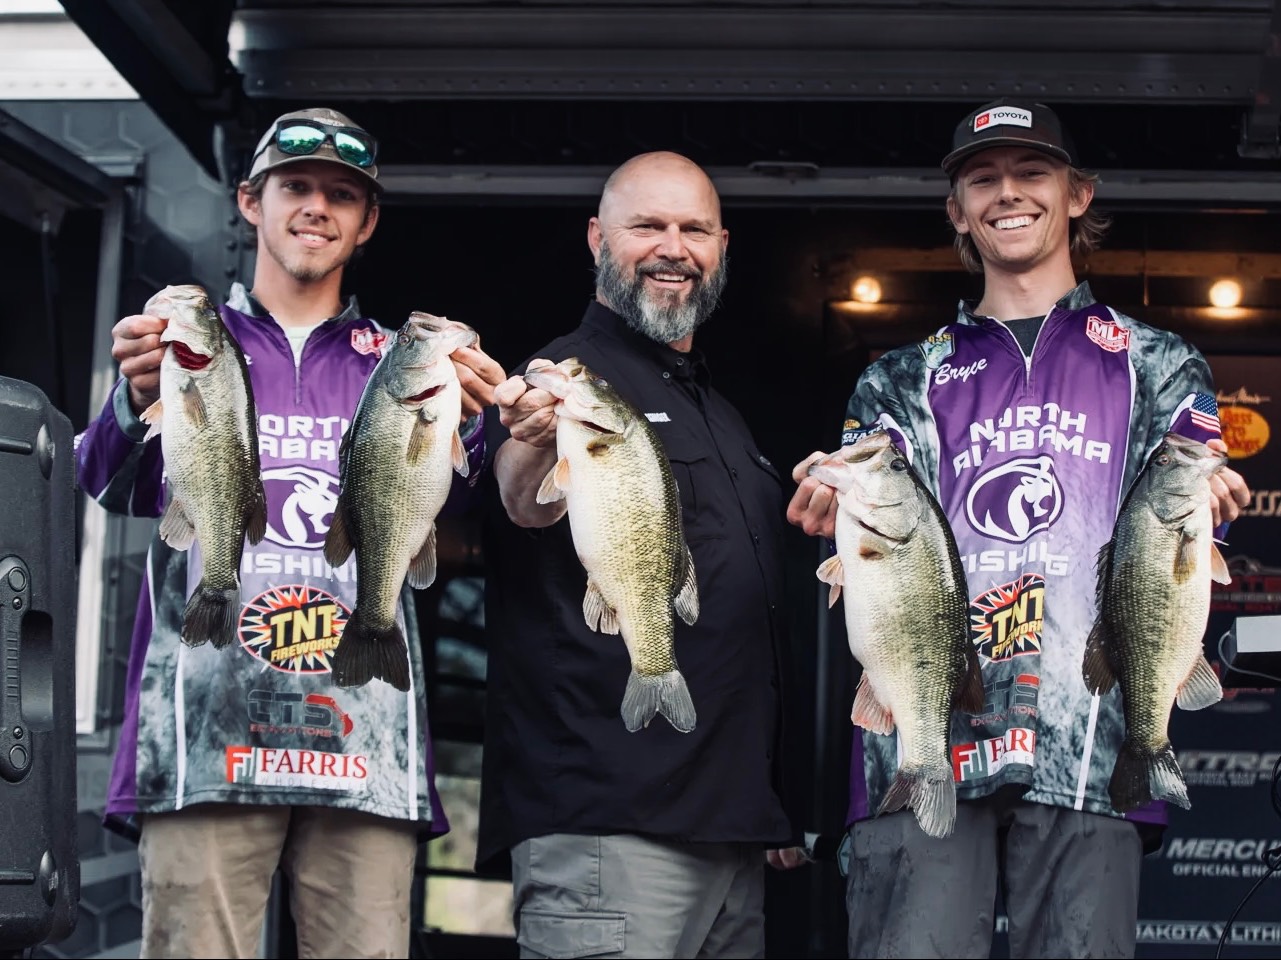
(366,341)
(1108,334)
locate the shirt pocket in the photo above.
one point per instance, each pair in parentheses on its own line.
(690,461)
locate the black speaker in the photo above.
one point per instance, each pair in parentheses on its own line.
(39,864)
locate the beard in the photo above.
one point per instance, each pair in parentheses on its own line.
(662,316)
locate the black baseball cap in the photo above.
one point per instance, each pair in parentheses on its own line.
(1009,123)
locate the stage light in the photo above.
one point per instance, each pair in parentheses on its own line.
(866,290)
(1225,294)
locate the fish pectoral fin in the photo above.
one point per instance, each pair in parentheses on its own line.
(422,569)
(459,454)
(687,598)
(256,528)
(556,484)
(1185,564)
(869,713)
(1218,566)
(832,571)
(1096,668)
(338,539)
(176,528)
(153,417)
(193,405)
(597,611)
(1201,689)
(419,440)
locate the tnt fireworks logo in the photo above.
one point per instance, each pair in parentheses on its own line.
(1006,621)
(293,629)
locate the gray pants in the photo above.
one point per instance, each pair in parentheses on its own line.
(1070,882)
(626,896)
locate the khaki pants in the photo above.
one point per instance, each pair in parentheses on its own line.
(207,871)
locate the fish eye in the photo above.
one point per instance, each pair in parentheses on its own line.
(1163,459)
(898,464)
(403,338)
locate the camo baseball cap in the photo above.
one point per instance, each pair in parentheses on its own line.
(1009,123)
(268,155)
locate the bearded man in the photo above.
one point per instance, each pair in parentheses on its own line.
(653,843)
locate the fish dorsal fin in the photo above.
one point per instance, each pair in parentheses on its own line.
(556,484)
(422,569)
(338,540)
(1218,566)
(256,528)
(971,696)
(1201,689)
(832,571)
(153,416)
(687,597)
(459,452)
(176,528)
(1096,668)
(869,713)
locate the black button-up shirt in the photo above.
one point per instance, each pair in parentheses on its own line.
(557,758)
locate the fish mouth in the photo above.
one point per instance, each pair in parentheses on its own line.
(425,395)
(187,358)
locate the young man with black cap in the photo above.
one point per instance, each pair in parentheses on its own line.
(235,762)
(1028,417)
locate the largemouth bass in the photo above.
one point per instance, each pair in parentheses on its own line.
(907,617)
(396,465)
(1154,601)
(624,513)
(208,433)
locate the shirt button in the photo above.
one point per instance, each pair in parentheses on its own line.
(733,473)
(680,361)
(666,375)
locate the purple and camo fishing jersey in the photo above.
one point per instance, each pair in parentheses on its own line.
(261,722)
(1030,460)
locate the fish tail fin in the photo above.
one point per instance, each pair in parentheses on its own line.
(648,696)
(365,653)
(211,616)
(1142,775)
(930,793)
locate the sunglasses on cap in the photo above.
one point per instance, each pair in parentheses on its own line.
(301,137)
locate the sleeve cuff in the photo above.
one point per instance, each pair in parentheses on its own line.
(126,419)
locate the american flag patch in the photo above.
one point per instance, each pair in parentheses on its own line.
(1205,413)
